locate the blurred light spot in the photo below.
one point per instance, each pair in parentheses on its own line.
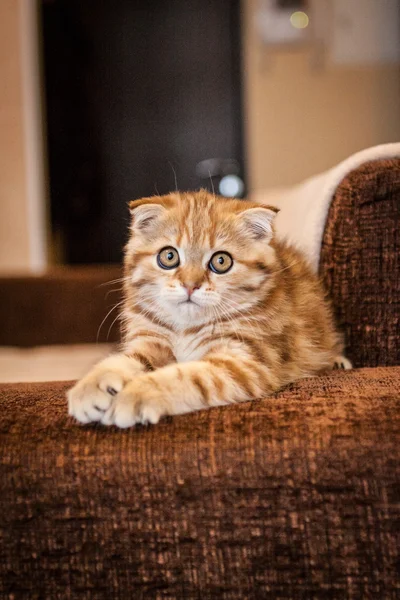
(231,186)
(299,20)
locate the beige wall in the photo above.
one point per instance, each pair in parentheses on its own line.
(23,206)
(14,235)
(300,121)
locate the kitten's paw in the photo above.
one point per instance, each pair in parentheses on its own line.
(91,398)
(341,362)
(135,404)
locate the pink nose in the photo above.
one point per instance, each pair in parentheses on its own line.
(190,288)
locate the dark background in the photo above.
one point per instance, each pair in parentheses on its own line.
(138,93)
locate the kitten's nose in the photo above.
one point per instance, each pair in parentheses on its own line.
(190,288)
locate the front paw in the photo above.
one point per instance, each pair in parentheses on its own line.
(139,402)
(341,362)
(92,397)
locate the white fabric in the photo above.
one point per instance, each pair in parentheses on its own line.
(304,207)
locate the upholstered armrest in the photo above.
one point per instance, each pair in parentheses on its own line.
(66,305)
(360,261)
(295,496)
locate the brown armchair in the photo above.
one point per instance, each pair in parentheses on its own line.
(292,496)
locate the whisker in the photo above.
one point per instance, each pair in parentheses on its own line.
(251,321)
(296,262)
(175,178)
(230,320)
(112,292)
(212,183)
(111,326)
(106,317)
(240,313)
(120,280)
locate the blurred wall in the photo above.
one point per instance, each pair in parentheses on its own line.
(14,234)
(23,207)
(300,120)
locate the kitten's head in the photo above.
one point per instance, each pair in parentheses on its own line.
(194,258)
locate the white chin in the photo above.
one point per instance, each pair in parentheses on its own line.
(189,307)
(187,311)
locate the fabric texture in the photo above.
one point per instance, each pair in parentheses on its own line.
(360,262)
(295,496)
(304,207)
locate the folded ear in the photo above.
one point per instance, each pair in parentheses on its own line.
(257,221)
(146,212)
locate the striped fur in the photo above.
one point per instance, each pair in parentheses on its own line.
(245,334)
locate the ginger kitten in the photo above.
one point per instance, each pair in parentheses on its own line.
(216,311)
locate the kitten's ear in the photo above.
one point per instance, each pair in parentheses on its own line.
(145,212)
(257,221)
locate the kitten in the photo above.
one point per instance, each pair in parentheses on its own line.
(216,311)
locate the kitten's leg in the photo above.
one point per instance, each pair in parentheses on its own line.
(93,395)
(185,387)
(341,362)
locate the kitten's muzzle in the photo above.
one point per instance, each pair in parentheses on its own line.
(190,288)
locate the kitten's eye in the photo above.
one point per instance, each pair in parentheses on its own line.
(168,258)
(220,262)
